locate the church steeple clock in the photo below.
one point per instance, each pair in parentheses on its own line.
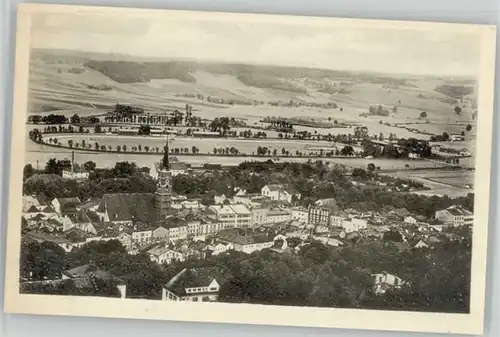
(163,193)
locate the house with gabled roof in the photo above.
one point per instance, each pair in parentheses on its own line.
(194,284)
(163,254)
(456,216)
(384,281)
(109,231)
(65,206)
(247,242)
(278,192)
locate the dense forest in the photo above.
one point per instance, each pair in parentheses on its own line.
(455,91)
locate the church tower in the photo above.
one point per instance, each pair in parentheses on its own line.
(163,193)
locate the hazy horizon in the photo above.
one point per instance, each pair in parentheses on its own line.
(344,48)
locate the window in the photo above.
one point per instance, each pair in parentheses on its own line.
(213,289)
(195,299)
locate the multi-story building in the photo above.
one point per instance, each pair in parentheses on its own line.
(456,216)
(300,214)
(277,215)
(231,216)
(321,211)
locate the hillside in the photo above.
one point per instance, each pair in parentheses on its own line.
(68,81)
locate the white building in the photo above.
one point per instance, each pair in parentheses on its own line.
(385,281)
(163,254)
(410,220)
(219,248)
(231,216)
(279,193)
(349,225)
(278,215)
(248,243)
(196,285)
(455,215)
(300,214)
(142,236)
(75,174)
(328,241)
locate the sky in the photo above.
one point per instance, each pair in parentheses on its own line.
(334,45)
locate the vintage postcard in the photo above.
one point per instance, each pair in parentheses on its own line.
(244,168)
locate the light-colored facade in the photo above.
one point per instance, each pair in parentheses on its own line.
(231,216)
(456,216)
(279,193)
(300,214)
(163,255)
(354,225)
(142,236)
(75,175)
(410,220)
(385,281)
(278,215)
(194,285)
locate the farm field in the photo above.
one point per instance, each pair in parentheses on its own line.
(54,88)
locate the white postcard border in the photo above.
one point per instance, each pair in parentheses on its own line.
(246,313)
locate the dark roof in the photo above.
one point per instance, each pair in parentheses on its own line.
(37,217)
(41,236)
(76,235)
(87,270)
(174,222)
(457,211)
(80,216)
(89,203)
(129,207)
(68,201)
(32,209)
(191,278)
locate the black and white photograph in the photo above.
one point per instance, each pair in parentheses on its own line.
(174,159)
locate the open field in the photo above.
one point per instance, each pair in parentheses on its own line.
(52,87)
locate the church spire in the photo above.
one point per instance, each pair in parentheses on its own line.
(165,164)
